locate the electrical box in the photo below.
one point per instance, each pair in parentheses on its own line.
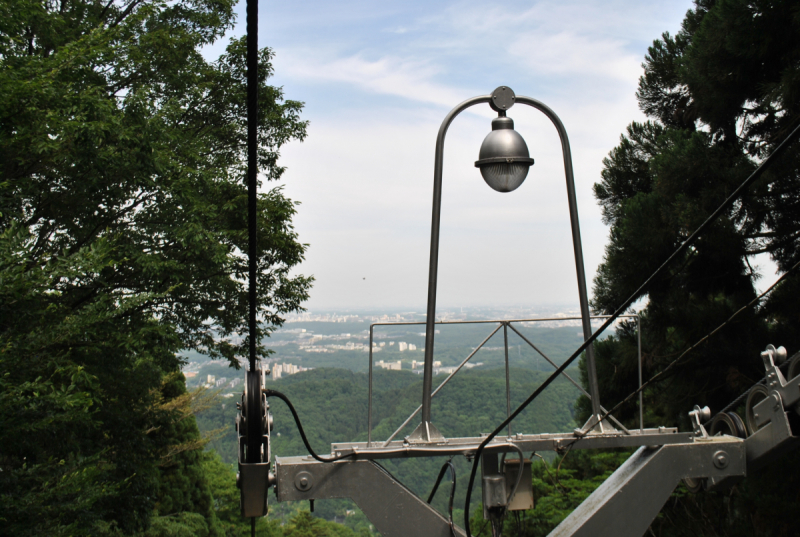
(523,498)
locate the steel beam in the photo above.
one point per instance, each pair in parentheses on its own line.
(388,504)
(526,442)
(628,501)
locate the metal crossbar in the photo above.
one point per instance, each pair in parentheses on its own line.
(505,324)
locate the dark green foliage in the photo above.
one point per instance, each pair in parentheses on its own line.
(122,222)
(332,407)
(725,73)
(720,95)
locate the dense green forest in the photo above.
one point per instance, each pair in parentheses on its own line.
(122,220)
(332,404)
(720,95)
(122,215)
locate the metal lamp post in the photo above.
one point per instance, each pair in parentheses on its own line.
(504,163)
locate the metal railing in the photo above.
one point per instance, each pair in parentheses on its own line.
(505,325)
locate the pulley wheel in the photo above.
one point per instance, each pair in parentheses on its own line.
(728,423)
(757,394)
(694,485)
(253,411)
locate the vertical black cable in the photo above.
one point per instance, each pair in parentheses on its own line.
(252,164)
(252,177)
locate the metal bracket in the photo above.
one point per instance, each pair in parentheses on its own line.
(697,417)
(628,501)
(254,480)
(394,509)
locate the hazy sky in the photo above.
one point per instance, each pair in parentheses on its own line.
(377,78)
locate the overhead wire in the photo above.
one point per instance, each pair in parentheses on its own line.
(252,171)
(702,340)
(621,309)
(449,464)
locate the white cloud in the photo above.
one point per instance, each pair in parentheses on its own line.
(411,79)
(566,53)
(364,175)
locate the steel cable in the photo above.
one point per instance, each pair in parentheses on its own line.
(636,294)
(282,397)
(661,373)
(445,466)
(252,169)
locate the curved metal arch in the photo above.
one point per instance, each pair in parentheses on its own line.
(425,431)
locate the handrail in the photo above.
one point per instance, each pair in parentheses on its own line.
(505,323)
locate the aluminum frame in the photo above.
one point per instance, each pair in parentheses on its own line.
(426,431)
(505,324)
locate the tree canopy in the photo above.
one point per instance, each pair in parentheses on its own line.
(122,231)
(720,95)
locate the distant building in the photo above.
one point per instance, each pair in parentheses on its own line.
(382,344)
(210,379)
(279,370)
(391,343)
(393,366)
(219,382)
(412,347)
(402,346)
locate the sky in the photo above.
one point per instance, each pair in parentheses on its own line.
(377,79)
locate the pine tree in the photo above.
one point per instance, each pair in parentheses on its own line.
(720,96)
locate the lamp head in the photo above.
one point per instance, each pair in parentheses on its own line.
(504,160)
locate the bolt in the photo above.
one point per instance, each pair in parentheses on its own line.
(721,459)
(303,482)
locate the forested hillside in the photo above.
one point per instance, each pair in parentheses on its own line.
(122,215)
(332,404)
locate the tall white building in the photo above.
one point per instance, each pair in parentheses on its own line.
(402,346)
(280,370)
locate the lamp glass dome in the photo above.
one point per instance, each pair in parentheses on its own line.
(504,159)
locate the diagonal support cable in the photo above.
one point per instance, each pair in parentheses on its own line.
(574,383)
(625,305)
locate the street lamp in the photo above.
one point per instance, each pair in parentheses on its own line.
(504,162)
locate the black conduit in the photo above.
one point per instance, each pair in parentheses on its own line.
(279,395)
(445,466)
